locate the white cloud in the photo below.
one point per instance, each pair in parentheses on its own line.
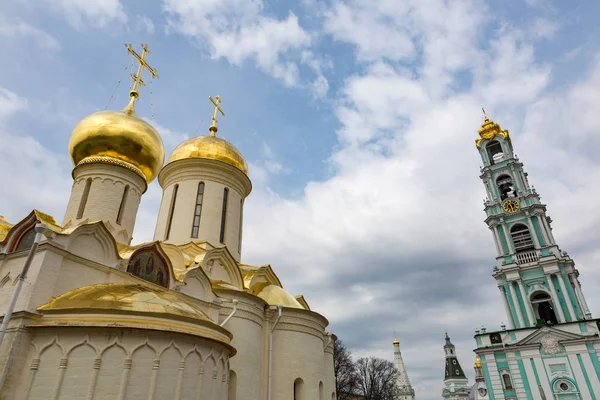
(49,194)
(144,24)
(97,13)
(544,28)
(13,28)
(236,30)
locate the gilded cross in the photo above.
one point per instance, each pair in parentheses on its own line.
(213,128)
(137,78)
(485,116)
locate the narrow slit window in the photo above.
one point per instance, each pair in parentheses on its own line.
(122,206)
(84,197)
(223,215)
(171,211)
(198,210)
(241,224)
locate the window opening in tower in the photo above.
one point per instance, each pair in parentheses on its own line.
(495,153)
(521,237)
(506,187)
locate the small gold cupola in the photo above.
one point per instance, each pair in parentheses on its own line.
(489,129)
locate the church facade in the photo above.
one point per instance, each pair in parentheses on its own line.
(180,317)
(551,348)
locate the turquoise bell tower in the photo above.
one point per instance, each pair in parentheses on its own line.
(551,347)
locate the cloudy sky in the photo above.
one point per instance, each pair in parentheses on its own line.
(358,120)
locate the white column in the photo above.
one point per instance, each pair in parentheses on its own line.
(579,293)
(533,232)
(550,234)
(563,288)
(543,228)
(585,393)
(511,249)
(511,322)
(497,241)
(555,299)
(513,294)
(527,304)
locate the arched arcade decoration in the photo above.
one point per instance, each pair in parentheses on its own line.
(149,265)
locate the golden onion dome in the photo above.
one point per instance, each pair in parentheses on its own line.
(212,148)
(275,295)
(396,342)
(118,137)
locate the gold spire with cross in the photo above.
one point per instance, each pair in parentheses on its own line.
(485,116)
(137,78)
(213,127)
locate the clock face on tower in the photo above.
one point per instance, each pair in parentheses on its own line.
(511,205)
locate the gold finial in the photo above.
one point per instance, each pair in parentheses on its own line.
(485,116)
(478,362)
(137,78)
(213,127)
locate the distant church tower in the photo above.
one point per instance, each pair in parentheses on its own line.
(553,344)
(455,380)
(405,390)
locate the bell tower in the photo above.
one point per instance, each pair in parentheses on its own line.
(538,282)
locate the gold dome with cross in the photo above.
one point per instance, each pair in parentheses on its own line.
(210,146)
(120,137)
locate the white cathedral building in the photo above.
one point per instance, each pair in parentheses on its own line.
(551,348)
(181,317)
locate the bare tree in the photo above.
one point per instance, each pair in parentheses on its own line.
(377,379)
(345,372)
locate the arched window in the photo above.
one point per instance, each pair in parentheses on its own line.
(505,187)
(321,391)
(223,215)
(171,211)
(332,395)
(84,197)
(494,151)
(149,265)
(232,385)
(299,389)
(122,205)
(543,307)
(506,380)
(24,241)
(521,237)
(198,210)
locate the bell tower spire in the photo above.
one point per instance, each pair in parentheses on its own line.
(455,380)
(405,390)
(537,280)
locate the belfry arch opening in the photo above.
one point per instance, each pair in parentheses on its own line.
(506,187)
(543,307)
(521,237)
(494,151)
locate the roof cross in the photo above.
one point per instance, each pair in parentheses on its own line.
(137,78)
(213,128)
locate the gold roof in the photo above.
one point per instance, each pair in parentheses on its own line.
(118,137)
(210,147)
(489,129)
(135,298)
(275,295)
(396,342)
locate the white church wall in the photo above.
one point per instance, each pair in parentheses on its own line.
(328,370)
(247,326)
(126,363)
(298,353)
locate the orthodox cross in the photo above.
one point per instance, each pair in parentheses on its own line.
(213,128)
(137,78)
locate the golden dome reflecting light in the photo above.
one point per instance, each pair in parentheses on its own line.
(210,147)
(120,137)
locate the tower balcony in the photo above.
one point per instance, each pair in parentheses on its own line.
(525,257)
